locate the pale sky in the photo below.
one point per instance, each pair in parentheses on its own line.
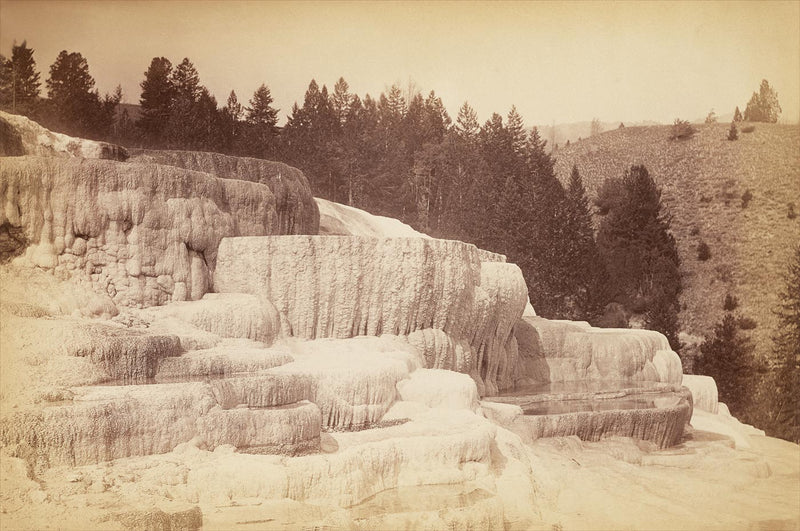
(562,62)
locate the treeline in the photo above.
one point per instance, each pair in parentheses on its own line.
(401,155)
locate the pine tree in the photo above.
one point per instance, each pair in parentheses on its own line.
(737,115)
(156,100)
(186,81)
(262,124)
(21,83)
(587,279)
(639,250)
(76,108)
(467,126)
(727,357)
(231,126)
(341,100)
(516,129)
(786,349)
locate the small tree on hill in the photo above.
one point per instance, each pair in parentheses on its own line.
(727,357)
(682,129)
(733,132)
(763,105)
(711,117)
(737,115)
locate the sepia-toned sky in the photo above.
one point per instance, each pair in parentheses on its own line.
(561,61)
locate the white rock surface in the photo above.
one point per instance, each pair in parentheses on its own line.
(704,392)
(558,351)
(341,220)
(340,287)
(438,388)
(22,136)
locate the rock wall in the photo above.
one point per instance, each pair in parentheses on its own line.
(295,209)
(340,287)
(142,233)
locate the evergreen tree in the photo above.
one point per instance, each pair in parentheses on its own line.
(587,279)
(231,126)
(20,84)
(186,81)
(341,100)
(516,130)
(727,357)
(262,124)
(737,115)
(763,105)
(786,348)
(185,128)
(640,252)
(467,126)
(156,100)
(75,107)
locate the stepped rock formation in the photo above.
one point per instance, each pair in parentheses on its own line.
(340,287)
(191,340)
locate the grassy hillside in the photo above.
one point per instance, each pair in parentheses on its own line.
(703,180)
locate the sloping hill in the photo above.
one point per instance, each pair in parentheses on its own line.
(703,180)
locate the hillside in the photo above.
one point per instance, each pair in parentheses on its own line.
(703,180)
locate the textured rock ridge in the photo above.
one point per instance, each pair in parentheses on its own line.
(295,208)
(142,233)
(341,287)
(21,136)
(559,351)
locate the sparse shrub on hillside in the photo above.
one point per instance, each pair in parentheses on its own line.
(791,213)
(621,126)
(748,129)
(737,115)
(682,130)
(733,132)
(731,303)
(746,323)
(703,251)
(711,117)
(747,196)
(727,356)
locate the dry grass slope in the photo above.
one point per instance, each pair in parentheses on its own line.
(703,180)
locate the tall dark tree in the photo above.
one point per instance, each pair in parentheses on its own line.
(586,276)
(467,125)
(185,128)
(727,356)
(156,100)
(639,250)
(262,124)
(76,108)
(231,124)
(20,84)
(786,348)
